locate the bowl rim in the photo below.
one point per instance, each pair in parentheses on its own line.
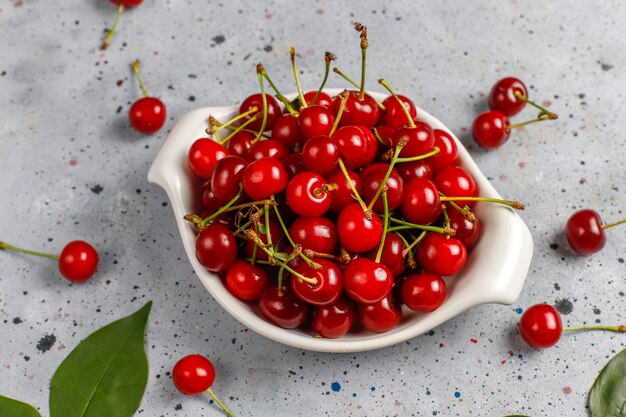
(169,166)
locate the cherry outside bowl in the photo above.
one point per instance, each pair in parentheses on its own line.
(494,273)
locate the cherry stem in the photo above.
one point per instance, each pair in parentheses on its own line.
(379,254)
(4,245)
(221,404)
(377,136)
(255,250)
(268,235)
(383,184)
(292,55)
(328,57)
(313,254)
(326,188)
(281,272)
(400,102)
(264,97)
(355,193)
(222,209)
(342,105)
(107,40)
(434,152)
(354,83)
(543,110)
(513,204)
(606,226)
(364,44)
(216,125)
(542,117)
(406,242)
(281,97)
(465,211)
(413,244)
(407,225)
(138,75)
(619,329)
(239,129)
(446,222)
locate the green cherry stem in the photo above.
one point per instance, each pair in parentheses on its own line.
(377,136)
(222,209)
(354,83)
(379,254)
(264,97)
(136,64)
(619,329)
(542,110)
(434,152)
(342,105)
(513,204)
(281,273)
(221,404)
(281,97)
(239,129)
(292,55)
(216,125)
(355,193)
(606,226)
(364,45)
(408,225)
(328,57)
(268,235)
(393,93)
(409,248)
(4,245)
(255,250)
(107,40)
(383,184)
(465,212)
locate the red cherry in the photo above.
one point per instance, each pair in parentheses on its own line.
(286,131)
(391,255)
(448,151)
(147,115)
(329,283)
(226,178)
(363,112)
(356,232)
(491,129)
(269,148)
(455,181)
(372,145)
(245,281)
(320,154)
(423,292)
(323,99)
(386,135)
(216,248)
(203,155)
(78,261)
(414,169)
(127,3)
(441,255)
(352,145)
(342,195)
(276,232)
(373,177)
(421,203)
(333,320)
(318,234)
(394,115)
(366,281)
(256,100)
(584,232)
(264,177)
(315,121)
(467,232)
(380,317)
(240,143)
(293,164)
(193,374)
(285,310)
(502,96)
(209,201)
(419,139)
(541,326)
(306,195)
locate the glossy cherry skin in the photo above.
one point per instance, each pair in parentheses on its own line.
(386,135)
(357,112)
(318,234)
(467,232)
(502,96)
(323,100)
(268,148)
(391,255)
(286,310)
(584,232)
(78,261)
(455,181)
(203,155)
(193,374)
(372,145)
(127,3)
(381,316)
(491,129)
(366,281)
(329,283)
(414,169)
(276,231)
(440,255)
(353,146)
(293,164)
(423,292)
(256,100)
(245,281)
(448,151)
(315,121)
(421,203)
(394,115)
(286,131)
(226,178)
(342,195)
(147,115)
(240,143)
(216,248)
(320,154)
(356,232)
(305,195)
(419,139)
(541,326)
(209,201)
(333,320)
(264,177)
(373,178)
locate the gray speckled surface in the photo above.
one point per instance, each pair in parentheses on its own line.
(71,167)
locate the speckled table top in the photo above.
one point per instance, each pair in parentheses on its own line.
(71,167)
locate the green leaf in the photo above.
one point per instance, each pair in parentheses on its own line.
(106,374)
(607,397)
(13,408)
(281,256)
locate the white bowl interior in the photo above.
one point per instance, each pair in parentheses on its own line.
(494,272)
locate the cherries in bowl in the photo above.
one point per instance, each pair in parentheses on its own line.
(494,271)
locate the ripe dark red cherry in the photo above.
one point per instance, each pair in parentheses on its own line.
(306,195)
(448,151)
(333,320)
(128,3)
(264,177)
(318,234)
(203,155)
(286,131)
(78,261)
(372,179)
(193,374)
(419,139)
(414,169)
(391,255)
(226,178)
(286,310)
(352,145)
(421,203)
(423,292)
(240,143)
(245,281)
(381,316)
(269,148)
(491,129)
(216,248)
(467,232)
(209,201)
(584,232)
(366,281)
(441,255)
(363,112)
(394,115)
(329,283)
(320,154)
(323,99)
(147,115)
(293,164)
(342,195)
(455,181)
(315,121)
(356,232)
(541,326)
(256,100)
(502,96)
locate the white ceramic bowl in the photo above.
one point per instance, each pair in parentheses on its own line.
(494,272)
